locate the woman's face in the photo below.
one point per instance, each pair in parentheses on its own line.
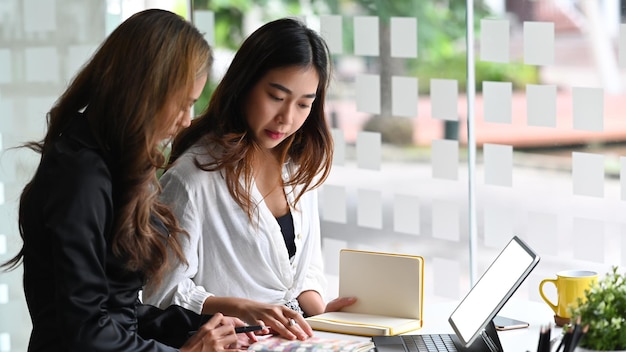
(279,103)
(183,113)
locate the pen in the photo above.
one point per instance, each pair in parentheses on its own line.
(248,328)
(240,329)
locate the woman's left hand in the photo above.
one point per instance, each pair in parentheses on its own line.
(339,303)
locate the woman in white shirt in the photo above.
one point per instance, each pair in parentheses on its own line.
(242,184)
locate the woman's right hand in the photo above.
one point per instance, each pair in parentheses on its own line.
(281,320)
(216,335)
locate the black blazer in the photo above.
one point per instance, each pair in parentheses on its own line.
(79,295)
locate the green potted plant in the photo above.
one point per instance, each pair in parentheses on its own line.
(604,311)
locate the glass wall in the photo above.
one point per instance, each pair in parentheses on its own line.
(546,121)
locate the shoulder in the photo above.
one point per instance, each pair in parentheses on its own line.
(185,170)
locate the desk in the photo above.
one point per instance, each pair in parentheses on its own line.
(535,313)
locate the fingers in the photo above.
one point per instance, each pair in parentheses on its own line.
(338,303)
(216,335)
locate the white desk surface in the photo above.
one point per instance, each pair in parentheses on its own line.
(520,340)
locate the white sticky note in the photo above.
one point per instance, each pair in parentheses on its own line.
(369,209)
(366,36)
(541,105)
(205,22)
(5,342)
(498,164)
(588,174)
(4,293)
(622,45)
(447,275)
(76,58)
(332,31)
(588,107)
(542,232)
(538,43)
(3,243)
(330,252)
(406,214)
(498,100)
(622,177)
(444,95)
(446,220)
(403,37)
(404,95)
(339,144)
(6,67)
(494,40)
(445,159)
(36,110)
(334,202)
(368,150)
(588,239)
(39,15)
(368,93)
(498,225)
(6,111)
(42,64)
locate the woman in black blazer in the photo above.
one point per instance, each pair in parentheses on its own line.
(94,230)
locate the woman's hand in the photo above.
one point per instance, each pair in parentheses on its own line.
(218,335)
(339,303)
(280,319)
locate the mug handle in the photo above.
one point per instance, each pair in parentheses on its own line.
(552,305)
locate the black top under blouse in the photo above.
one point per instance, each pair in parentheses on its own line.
(289,235)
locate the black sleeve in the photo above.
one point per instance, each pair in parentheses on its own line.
(76,217)
(170,326)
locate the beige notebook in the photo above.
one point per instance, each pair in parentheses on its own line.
(389,290)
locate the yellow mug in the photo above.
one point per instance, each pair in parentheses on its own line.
(570,285)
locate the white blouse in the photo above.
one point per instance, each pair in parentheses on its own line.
(228,255)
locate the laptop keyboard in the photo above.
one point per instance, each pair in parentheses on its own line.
(429,343)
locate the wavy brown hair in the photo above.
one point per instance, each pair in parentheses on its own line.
(222,126)
(148,62)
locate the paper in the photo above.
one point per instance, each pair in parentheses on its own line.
(541,105)
(39,16)
(403,37)
(204,20)
(543,232)
(588,239)
(498,100)
(446,274)
(494,40)
(334,203)
(6,68)
(444,94)
(332,32)
(368,93)
(4,293)
(445,159)
(538,43)
(445,219)
(339,144)
(42,64)
(406,214)
(368,150)
(588,174)
(366,42)
(404,95)
(76,58)
(588,107)
(369,209)
(498,164)
(498,222)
